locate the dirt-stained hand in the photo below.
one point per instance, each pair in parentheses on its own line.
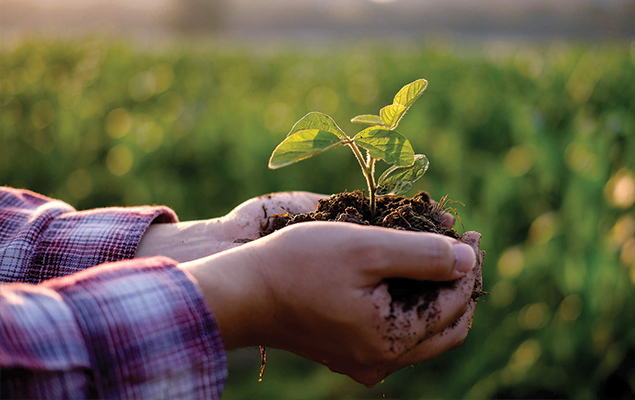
(319,290)
(244,221)
(190,240)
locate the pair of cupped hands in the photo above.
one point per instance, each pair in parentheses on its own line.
(318,289)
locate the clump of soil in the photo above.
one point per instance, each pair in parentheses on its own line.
(398,212)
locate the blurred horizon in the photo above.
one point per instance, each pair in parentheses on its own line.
(326,19)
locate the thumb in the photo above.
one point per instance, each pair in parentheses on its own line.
(425,256)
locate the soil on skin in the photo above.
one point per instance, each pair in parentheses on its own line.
(397,212)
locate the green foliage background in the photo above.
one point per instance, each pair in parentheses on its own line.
(536,140)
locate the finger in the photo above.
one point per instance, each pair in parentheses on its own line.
(447,220)
(457,296)
(290,202)
(448,339)
(423,349)
(422,312)
(472,287)
(413,255)
(259,208)
(473,239)
(452,335)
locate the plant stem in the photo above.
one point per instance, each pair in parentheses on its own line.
(368,168)
(372,186)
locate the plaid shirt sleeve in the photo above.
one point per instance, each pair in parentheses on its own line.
(41,238)
(129,329)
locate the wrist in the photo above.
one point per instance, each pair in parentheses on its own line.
(184,241)
(236,295)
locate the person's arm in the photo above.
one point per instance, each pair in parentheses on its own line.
(131,329)
(187,241)
(291,271)
(42,238)
(191,240)
(64,337)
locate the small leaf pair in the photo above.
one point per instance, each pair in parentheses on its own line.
(390,115)
(317,132)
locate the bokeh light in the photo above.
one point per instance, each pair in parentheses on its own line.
(522,359)
(119,160)
(511,263)
(42,114)
(534,316)
(518,160)
(570,308)
(620,189)
(543,228)
(118,123)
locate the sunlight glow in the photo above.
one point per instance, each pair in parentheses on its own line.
(620,189)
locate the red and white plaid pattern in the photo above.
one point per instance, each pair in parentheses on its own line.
(129,329)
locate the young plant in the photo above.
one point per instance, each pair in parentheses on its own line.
(317,132)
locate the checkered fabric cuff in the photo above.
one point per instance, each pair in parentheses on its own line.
(41,238)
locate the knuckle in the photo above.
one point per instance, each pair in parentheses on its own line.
(367,254)
(368,377)
(380,351)
(463,307)
(459,337)
(377,256)
(460,340)
(387,353)
(442,256)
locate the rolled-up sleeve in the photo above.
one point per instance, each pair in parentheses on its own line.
(81,318)
(42,238)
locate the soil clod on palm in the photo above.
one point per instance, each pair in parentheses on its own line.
(398,212)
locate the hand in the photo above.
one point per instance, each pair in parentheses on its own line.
(244,221)
(453,335)
(318,289)
(186,241)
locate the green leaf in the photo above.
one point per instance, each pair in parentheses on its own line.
(393,189)
(390,115)
(301,145)
(408,94)
(387,145)
(318,121)
(398,180)
(368,119)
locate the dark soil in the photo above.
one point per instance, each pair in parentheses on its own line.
(397,212)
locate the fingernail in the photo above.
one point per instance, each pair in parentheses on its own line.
(447,220)
(465,257)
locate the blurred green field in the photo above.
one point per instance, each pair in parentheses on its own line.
(537,141)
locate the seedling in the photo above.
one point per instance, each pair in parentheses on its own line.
(317,132)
